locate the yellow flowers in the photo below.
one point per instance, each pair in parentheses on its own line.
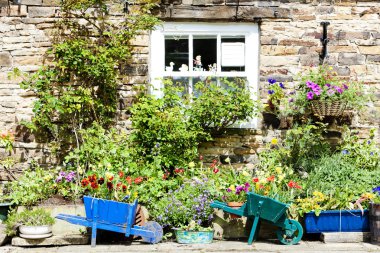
(48,178)
(191,165)
(232,188)
(278,170)
(274,141)
(368,195)
(109,176)
(319,196)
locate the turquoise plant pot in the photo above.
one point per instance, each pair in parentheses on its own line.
(192,237)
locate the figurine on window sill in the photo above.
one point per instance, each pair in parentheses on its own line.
(171,67)
(212,67)
(198,63)
(184,68)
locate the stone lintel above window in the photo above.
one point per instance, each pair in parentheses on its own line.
(222,12)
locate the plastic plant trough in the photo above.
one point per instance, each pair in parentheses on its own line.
(337,221)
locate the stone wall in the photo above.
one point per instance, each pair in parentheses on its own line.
(289,41)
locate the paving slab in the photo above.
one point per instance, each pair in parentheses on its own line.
(216,246)
(346,237)
(56,240)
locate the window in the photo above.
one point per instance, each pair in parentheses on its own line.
(190,52)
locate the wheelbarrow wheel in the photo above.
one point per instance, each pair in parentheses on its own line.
(157,231)
(291,235)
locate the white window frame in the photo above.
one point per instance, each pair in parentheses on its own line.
(157,54)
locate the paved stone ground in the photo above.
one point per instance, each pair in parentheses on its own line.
(217,246)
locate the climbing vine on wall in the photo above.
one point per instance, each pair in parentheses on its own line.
(78,83)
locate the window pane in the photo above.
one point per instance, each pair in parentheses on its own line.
(233,53)
(176,51)
(183,82)
(204,52)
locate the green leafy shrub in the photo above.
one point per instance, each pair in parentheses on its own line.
(34,185)
(168,129)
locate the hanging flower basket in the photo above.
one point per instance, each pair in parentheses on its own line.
(324,108)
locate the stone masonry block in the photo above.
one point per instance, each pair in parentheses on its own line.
(351,59)
(41,12)
(31,2)
(51,2)
(5,59)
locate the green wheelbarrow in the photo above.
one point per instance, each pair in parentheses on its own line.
(259,208)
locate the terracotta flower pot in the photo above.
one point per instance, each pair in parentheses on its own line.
(235,205)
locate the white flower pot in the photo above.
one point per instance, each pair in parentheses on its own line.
(35,230)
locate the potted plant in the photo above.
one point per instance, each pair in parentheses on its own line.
(235,196)
(277,111)
(187,210)
(323,92)
(31,224)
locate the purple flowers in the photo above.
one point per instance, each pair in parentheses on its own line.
(271,81)
(310,95)
(345,152)
(316,90)
(376,190)
(338,89)
(282,85)
(69,177)
(270,92)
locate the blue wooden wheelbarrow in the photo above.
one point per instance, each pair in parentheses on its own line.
(114,216)
(259,208)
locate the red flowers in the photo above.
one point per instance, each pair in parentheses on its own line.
(92,178)
(138,180)
(101,181)
(109,185)
(293,184)
(85,182)
(179,171)
(129,180)
(270,179)
(255,180)
(121,174)
(94,185)
(215,170)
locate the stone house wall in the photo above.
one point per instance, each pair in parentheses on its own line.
(290,34)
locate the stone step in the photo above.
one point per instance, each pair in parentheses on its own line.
(345,237)
(55,240)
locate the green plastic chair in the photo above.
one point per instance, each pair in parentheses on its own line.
(259,208)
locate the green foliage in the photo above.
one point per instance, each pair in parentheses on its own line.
(363,153)
(301,144)
(168,130)
(88,56)
(162,130)
(341,180)
(221,106)
(36,217)
(34,185)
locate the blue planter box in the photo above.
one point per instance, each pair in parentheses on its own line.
(337,221)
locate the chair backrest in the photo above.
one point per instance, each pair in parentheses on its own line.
(264,207)
(109,211)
